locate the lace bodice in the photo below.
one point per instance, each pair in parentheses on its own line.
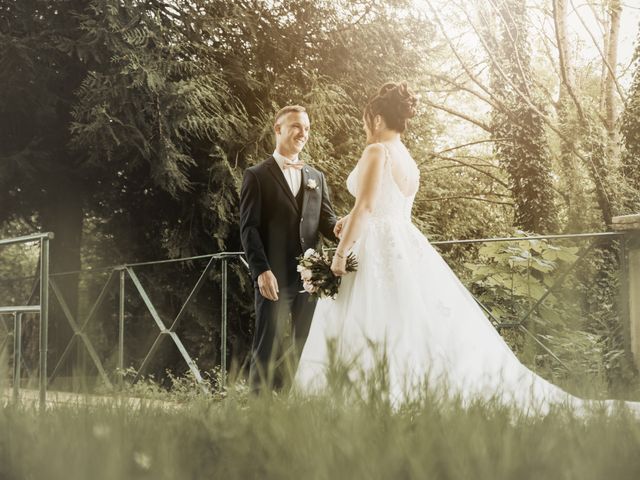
(392,203)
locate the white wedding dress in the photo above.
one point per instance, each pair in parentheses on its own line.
(406,301)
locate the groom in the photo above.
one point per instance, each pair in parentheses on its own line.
(284,206)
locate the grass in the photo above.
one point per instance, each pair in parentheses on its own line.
(237,436)
(287,438)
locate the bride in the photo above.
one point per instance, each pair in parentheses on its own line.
(404,300)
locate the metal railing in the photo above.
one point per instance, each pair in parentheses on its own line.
(596,239)
(41,309)
(167,327)
(119,274)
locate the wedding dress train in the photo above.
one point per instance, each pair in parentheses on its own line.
(405,299)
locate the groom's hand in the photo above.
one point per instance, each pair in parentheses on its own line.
(268,285)
(337,230)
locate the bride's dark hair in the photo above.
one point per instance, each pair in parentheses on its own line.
(395,102)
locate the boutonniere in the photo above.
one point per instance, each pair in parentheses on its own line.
(312,184)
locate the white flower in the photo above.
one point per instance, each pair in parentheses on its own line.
(300,268)
(309,252)
(312,184)
(306,274)
(309,287)
(142,460)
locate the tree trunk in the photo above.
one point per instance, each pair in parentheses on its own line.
(615,10)
(563,109)
(523,149)
(574,197)
(63,215)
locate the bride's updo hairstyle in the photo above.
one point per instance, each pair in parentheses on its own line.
(395,103)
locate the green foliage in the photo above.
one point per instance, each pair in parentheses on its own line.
(509,278)
(579,320)
(521,144)
(18,268)
(518,271)
(630,130)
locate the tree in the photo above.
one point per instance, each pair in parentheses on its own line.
(93,105)
(579,125)
(521,144)
(173,100)
(630,131)
(40,182)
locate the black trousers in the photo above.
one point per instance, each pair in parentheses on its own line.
(271,366)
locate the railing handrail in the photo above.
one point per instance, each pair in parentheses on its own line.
(111,268)
(533,237)
(20,309)
(184,259)
(26,238)
(221,255)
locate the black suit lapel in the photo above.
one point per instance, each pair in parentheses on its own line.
(274,168)
(303,186)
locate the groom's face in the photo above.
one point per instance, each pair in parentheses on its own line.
(292,133)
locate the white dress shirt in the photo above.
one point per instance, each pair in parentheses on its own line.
(293,176)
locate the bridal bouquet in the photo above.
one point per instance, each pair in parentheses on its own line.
(315,270)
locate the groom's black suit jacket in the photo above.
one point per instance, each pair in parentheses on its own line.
(277,227)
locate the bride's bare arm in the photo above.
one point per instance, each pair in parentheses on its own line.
(370,169)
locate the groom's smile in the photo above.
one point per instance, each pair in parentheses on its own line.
(292,133)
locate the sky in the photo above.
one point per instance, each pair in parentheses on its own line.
(579,11)
(629,21)
(584,52)
(629,28)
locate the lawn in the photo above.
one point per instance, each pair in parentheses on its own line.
(237,436)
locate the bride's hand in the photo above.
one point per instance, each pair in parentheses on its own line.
(339,265)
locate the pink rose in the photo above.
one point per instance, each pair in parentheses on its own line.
(309,287)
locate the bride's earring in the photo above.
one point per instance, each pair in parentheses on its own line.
(377,124)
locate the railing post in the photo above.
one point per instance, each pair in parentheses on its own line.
(223,327)
(630,224)
(44,318)
(121,328)
(623,297)
(17,355)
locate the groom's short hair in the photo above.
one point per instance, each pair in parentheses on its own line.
(288,109)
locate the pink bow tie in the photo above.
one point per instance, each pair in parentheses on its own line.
(296,165)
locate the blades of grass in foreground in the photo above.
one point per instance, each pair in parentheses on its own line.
(347,432)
